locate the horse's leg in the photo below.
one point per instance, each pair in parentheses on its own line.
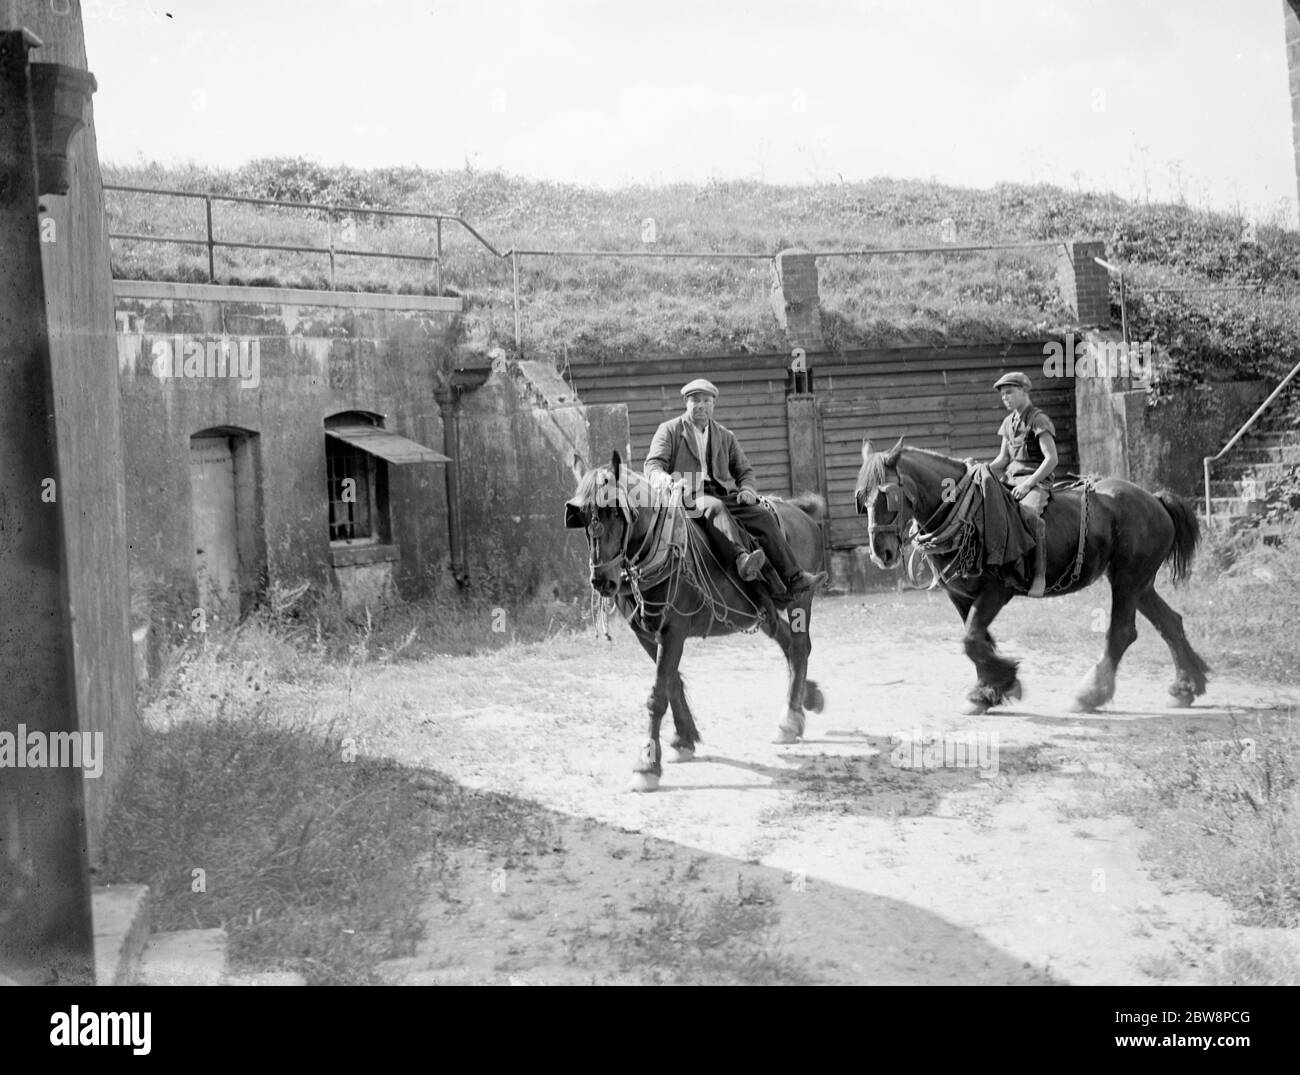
(648,769)
(997,674)
(1190,668)
(962,603)
(685,734)
(796,644)
(1098,686)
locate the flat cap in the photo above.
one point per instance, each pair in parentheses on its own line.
(700,385)
(1019,380)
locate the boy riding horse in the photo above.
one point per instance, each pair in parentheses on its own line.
(694,444)
(1026,462)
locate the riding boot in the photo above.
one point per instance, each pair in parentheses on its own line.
(749,565)
(1039,587)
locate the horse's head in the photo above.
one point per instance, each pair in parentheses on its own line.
(605,505)
(887,500)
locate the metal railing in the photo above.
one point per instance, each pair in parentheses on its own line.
(513,253)
(1238,435)
(332,210)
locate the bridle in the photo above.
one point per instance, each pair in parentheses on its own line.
(596,528)
(895,499)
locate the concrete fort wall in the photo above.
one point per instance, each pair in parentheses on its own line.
(271,366)
(1291,30)
(266,368)
(66,658)
(1156,447)
(519,435)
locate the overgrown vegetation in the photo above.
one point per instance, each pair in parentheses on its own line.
(314,857)
(1226,815)
(606,308)
(318,858)
(730,940)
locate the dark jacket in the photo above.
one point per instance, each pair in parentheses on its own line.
(673,452)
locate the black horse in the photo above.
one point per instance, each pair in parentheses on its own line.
(656,564)
(1128,534)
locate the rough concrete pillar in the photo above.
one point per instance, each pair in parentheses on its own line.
(795,300)
(1291,21)
(1108,414)
(45,917)
(1084,284)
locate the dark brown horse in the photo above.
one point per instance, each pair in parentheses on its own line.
(1129,534)
(655,562)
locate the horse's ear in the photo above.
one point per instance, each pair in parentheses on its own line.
(579,467)
(575,514)
(616,463)
(892,458)
(866,449)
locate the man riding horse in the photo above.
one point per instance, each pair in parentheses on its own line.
(693,448)
(1026,462)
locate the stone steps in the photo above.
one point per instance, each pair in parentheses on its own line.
(1239,507)
(1245,487)
(127,953)
(1280,454)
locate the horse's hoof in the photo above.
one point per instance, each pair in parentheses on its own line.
(814,699)
(645,782)
(676,755)
(1014,691)
(1082,705)
(785,736)
(1180,699)
(974,709)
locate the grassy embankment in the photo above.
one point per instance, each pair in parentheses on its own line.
(602,308)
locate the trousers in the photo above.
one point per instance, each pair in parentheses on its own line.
(723,512)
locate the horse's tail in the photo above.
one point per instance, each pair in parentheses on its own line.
(1187,534)
(811,504)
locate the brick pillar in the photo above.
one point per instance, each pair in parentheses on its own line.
(1084,284)
(1291,17)
(795,300)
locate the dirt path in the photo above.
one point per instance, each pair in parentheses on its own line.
(879,872)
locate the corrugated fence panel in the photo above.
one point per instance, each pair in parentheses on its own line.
(942,400)
(751,403)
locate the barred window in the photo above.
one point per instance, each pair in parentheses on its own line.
(356,482)
(352,484)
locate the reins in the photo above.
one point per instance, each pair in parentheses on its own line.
(671,554)
(950,535)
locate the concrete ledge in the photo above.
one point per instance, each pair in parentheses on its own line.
(269,978)
(286,296)
(121,918)
(352,555)
(185,957)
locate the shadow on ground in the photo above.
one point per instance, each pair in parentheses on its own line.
(589,903)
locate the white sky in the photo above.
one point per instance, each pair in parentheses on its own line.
(1155,99)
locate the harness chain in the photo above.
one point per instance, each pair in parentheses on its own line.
(959,538)
(1061,584)
(660,558)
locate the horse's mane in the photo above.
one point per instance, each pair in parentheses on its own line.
(596,479)
(873,468)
